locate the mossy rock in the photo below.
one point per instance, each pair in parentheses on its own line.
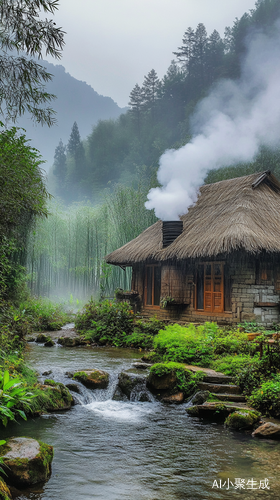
(94,379)
(193,411)
(5,493)
(59,397)
(127,382)
(49,343)
(243,419)
(41,338)
(26,461)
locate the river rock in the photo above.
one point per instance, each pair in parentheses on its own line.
(177,398)
(26,461)
(42,338)
(5,493)
(165,382)
(45,374)
(59,397)
(141,365)
(94,379)
(127,382)
(70,341)
(200,397)
(73,387)
(119,395)
(242,419)
(269,430)
(49,343)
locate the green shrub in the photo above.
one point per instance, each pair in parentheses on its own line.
(43,314)
(111,322)
(266,398)
(12,396)
(105,321)
(232,365)
(199,345)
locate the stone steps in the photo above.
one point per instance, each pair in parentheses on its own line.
(216,411)
(219,388)
(238,398)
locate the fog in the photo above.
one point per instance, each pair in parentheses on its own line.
(229,126)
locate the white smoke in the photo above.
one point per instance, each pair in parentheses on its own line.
(231,125)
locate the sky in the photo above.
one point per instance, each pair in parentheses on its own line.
(113,44)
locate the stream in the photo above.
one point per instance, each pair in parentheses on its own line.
(113,450)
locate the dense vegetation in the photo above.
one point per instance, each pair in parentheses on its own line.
(172,347)
(160,113)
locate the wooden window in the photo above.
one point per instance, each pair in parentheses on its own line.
(152,286)
(263,272)
(210,287)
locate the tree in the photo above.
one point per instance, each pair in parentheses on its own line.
(22,79)
(136,101)
(76,150)
(151,90)
(23,197)
(185,54)
(60,168)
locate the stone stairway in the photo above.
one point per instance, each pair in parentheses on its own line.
(219,385)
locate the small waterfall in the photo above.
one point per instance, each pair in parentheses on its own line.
(140,393)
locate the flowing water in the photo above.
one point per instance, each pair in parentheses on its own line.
(111,450)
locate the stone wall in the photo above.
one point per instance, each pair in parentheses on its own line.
(252,298)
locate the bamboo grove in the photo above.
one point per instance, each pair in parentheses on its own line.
(66,250)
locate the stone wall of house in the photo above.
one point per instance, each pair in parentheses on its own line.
(252,299)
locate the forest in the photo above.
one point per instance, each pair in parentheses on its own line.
(101,183)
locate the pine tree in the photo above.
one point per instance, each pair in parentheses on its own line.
(151,90)
(185,54)
(136,103)
(60,168)
(76,151)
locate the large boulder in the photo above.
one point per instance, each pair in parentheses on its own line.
(59,397)
(269,430)
(166,382)
(26,461)
(71,341)
(128,381)
(42,338)
(5,493)
(242,419)
(94,379)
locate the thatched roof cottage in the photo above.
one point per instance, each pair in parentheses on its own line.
(220,262)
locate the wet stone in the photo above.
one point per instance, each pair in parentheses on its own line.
(200,397)
(93,379)
(49,343)
(26,461)
(128,381)
(269,430)
(42,338)
(73,387)
(177,398)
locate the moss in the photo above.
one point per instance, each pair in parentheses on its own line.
(94,378)
(28,471)
(243,419)
(5,493)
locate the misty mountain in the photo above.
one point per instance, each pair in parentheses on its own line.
(76,101)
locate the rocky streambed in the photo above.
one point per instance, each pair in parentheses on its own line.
(118,441)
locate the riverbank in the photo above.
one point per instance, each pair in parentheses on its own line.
(105,448)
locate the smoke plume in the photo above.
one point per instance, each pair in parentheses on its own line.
(229,126)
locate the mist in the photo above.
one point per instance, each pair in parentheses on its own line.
(229,126)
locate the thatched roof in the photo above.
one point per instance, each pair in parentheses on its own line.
(236,214)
